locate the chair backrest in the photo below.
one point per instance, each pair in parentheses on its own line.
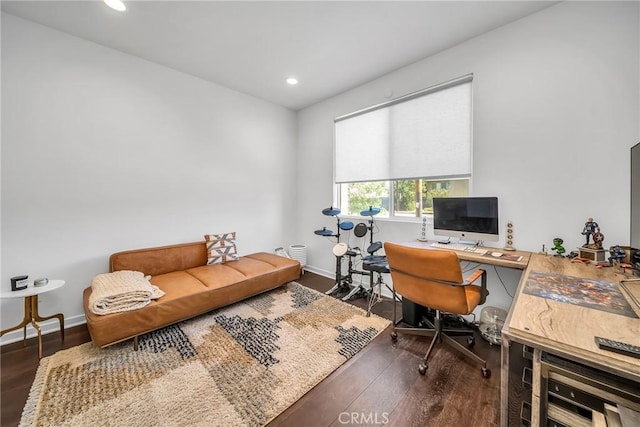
(428,277)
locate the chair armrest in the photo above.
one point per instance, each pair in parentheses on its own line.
(475,276)
(479,273)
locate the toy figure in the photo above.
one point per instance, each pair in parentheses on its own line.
(617,254)
(635,261)
(598,237)
(590,228)
(557,246)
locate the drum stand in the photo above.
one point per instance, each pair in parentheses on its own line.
(344,283)
(376,264)
(361,291)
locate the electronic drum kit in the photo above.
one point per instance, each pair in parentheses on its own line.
(371,263)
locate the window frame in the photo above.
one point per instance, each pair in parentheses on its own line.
(392,216)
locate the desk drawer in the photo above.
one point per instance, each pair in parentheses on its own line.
(575,396)
(527,352)
(525,414)
(527,377)
(557,416)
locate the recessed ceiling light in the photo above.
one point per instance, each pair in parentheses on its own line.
(292,81)
(116,4)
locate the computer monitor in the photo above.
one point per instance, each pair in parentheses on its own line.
(467,218)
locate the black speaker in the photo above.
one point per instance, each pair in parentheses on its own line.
(509,237)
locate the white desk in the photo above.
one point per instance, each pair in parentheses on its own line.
(31,315)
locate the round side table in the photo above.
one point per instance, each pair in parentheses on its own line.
(31,315)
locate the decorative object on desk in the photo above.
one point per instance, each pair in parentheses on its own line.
(41,282)
(557,247)
(572,254)
(19,283)
(509,241)
(423,230)
(596,294)
(543,251)
(617,254)
(591,228)
(491,322)
(629,253)
(579,259)
(593,255)
(241,365)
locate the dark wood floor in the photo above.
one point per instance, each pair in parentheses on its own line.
(379,386)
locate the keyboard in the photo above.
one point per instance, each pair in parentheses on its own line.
(459,247)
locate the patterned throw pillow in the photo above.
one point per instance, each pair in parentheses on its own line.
(221,248)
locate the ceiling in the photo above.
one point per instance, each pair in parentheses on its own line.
(252,47)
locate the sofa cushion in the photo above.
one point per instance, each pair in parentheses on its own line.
(216,275)
(221,248)
(160,260)
(177,284)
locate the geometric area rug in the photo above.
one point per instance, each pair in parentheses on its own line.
(241,365)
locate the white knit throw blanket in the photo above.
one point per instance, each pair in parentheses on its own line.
(121,291)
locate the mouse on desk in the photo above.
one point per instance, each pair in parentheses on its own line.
(496,254)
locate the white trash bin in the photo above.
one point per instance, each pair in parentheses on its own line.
(299,253)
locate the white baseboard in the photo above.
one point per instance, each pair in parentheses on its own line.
(320,272)
(47,327)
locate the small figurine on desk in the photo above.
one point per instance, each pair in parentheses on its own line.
(635,262)
(591,231)
(572,254)
(617,254)
(557,246)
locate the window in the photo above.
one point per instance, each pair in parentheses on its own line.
(399,155)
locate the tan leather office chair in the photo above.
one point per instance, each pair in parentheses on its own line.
(433,278)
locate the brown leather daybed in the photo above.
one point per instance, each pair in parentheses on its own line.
(191,287)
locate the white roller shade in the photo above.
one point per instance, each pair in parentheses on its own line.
(423,135)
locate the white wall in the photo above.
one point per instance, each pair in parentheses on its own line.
(555,113)
(103,152)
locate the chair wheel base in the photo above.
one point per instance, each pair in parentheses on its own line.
(394,336)
(422,368)
(486,372)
